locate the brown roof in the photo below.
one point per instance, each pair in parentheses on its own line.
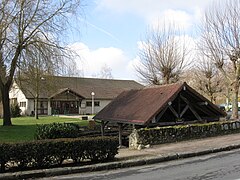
(103,88)
(140,106)
(60,91)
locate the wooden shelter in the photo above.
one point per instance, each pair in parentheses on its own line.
(158,106)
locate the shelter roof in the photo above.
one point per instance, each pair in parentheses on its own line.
(140,106)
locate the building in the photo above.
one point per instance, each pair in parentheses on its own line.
(68,95)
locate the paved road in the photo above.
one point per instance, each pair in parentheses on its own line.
(220,166)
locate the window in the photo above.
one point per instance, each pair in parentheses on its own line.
(96,103)
(13,101)
(22,104)
(89,103)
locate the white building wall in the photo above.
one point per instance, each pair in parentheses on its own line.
(88,109)
(82,107)
(16,93)
(30,107)
(49,108)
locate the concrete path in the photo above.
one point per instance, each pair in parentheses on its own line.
(90,117)
(182,147)
(154,154)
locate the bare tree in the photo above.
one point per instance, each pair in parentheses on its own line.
(68,67)
(38,64)
(207,78)
(25,25)
(221,41)
(163,56)
(106,72)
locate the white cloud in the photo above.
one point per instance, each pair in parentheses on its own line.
(145,7)
(155,12)
(91,61)
(123,67)
(180,18)
(131,67)
(185,12)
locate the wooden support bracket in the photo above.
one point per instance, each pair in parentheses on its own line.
(103,124)
(173,111)
(161,114)
(191,108)
(184,110)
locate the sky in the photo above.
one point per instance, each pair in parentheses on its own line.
(110,32)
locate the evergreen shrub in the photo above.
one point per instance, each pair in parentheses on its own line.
(57,130)
(15,110)
(52,152)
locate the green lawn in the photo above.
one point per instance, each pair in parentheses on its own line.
(23,128)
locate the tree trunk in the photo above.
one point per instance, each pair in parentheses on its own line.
(211,98)
(235,100)
(166,79)
(36,107)
(6,106)
(228,97)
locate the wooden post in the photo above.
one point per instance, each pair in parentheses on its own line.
(103,124)
(120,134)
(102,128)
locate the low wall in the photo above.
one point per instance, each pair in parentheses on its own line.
(160,135)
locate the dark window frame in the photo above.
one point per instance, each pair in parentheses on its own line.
(96,103)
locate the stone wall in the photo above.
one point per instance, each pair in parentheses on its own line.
(159,135)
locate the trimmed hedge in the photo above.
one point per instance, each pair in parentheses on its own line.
(160,135)
(50,153)
(57,130)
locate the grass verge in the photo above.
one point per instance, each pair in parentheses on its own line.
(23,128)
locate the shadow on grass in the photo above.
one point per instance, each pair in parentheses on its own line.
(17,133)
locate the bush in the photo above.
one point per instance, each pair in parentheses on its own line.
(15,110)
(49,153)
(57,130)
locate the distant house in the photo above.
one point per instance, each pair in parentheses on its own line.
(69,95)
(160,105)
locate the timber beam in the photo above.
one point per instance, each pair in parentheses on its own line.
(157,119)
(184,111)
(191,108)
(173,111)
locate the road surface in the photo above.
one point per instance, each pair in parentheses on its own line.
(220,166)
